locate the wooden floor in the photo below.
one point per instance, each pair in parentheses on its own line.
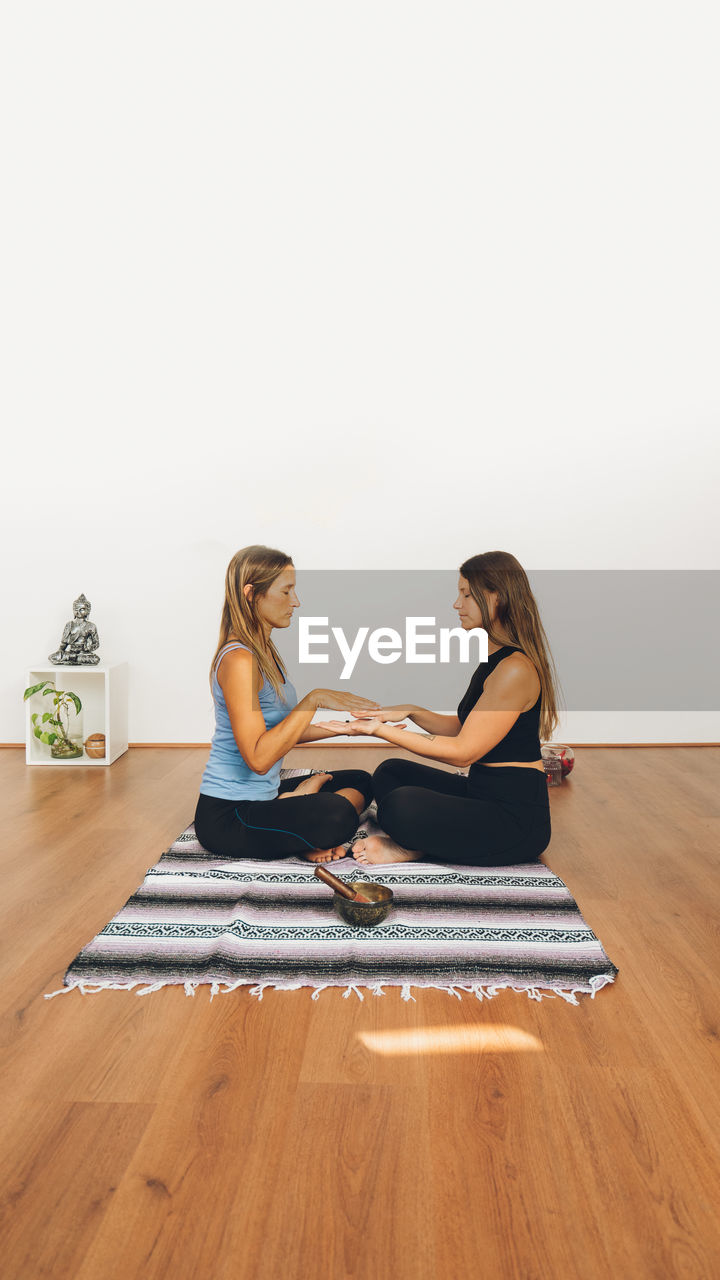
(166,1136)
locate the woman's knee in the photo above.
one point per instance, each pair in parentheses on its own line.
(334,820)
(398,811)
(387,777)
(358,780)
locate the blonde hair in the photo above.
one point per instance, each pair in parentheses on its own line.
(519,618)
(259,566)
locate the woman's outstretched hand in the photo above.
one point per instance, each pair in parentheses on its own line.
(402,711)
(336,700)
(366,728)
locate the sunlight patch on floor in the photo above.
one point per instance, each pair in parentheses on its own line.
(489,1038)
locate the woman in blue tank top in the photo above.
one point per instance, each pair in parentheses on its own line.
(499,814)
(244,810)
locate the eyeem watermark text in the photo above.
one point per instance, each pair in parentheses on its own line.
(385,644)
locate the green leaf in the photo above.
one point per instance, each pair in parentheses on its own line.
(76,700)
(46,717)
(34,688)
(52,689)
(49,738)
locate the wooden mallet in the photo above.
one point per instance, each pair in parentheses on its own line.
(339,886)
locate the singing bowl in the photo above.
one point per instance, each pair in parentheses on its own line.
(365,914)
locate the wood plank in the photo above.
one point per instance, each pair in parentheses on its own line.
(204,1174)
(62,1165)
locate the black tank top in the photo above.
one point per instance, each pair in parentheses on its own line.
(522,742)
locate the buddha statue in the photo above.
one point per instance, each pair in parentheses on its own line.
(79,639)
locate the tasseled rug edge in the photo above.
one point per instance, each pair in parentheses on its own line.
(479,991)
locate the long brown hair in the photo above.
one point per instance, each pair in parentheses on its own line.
(260,566)
(519,618)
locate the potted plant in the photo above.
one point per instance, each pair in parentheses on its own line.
(56,735)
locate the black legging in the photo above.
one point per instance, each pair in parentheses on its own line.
(268,829)
(495,817)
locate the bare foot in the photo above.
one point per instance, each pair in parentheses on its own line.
(378,849)
(308,786)
(327,855)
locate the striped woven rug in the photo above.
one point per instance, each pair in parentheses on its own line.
(197,919)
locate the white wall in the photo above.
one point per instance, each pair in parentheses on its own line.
(381,285)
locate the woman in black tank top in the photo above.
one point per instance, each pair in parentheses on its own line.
(499,814)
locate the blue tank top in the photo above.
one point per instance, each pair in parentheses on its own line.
(226,775)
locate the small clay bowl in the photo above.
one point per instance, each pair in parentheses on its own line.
(364,914)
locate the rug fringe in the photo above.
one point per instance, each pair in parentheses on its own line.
(357,991)
(94,988)
(62,991)
(475,990)
(218,988)
(567,995)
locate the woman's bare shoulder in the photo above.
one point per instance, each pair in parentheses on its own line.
(517,661)
(516,673)
(233,662)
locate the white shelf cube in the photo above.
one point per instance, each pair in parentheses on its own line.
(103,692)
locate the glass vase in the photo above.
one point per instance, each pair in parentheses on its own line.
(64,749)
(557,758)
